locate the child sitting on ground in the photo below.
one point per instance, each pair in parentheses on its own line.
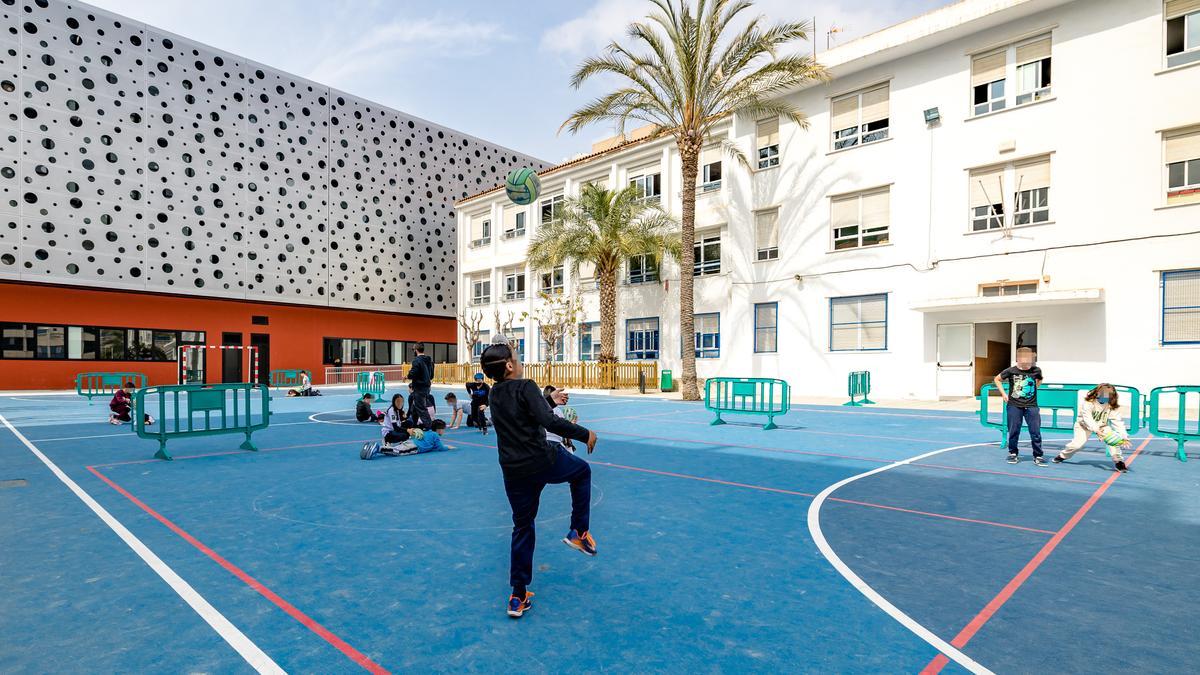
(529,463)
(458,411)
(551,437)
(1098,415)
(363,411)
(121,406)
(395,426)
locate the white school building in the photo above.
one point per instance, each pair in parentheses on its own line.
(993,174)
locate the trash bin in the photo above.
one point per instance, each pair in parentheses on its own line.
(668,381)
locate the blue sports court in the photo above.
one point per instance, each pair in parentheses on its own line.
(846,540)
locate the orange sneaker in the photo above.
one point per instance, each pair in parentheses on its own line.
(581,542)
(518,606)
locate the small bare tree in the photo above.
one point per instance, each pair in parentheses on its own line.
(505,327)
(557,319)
(470,326)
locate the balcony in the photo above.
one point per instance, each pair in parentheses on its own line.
(516,295)
(513,234)
(482,241)
(709,187)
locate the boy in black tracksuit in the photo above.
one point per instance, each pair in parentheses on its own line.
(478,390)
(521,417)
(420,376)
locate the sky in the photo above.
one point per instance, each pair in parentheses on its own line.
(494,70)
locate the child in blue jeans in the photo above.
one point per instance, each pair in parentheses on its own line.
(1021,403)
(522,416)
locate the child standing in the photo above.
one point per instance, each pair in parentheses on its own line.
(1098,415)
(529,463)
(478,390)
(1022,404)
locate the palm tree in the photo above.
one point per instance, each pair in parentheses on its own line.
(604,228)
(686,75)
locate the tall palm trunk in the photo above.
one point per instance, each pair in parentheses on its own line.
(607,280)
(689,155)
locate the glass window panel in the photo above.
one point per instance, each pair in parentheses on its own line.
(163,346)
(51,342)
(18,342)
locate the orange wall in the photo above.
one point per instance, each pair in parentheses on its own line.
(296,331)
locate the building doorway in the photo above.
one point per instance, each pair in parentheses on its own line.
(955,359)
(231,359)
(262,343)
(993,350)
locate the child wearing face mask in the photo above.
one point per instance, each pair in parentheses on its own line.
(1098,415)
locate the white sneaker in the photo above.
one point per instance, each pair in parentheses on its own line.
(149,420)
(112,419)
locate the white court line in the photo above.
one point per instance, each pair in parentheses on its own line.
(814,529)
(236,639)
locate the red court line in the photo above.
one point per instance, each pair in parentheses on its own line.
(340,644)
(964,636)
(810,495)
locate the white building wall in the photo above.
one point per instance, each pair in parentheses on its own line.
(1111,99)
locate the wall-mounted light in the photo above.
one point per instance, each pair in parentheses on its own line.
(932,116)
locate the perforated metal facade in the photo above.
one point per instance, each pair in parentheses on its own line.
(131,158)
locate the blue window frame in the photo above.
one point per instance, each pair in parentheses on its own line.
(518,341)
(708,336)
(1181,307)
(589,341)
(641,339)
(766,327)
(485,337)
(556,351)
(858,323)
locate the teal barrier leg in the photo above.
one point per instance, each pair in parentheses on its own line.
(770,423)
(248,444)
(162,450)
(867,401)
(717,421)
(1003,438)
(852,402)
(1179,453)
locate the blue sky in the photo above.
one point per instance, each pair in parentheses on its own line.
(496,70)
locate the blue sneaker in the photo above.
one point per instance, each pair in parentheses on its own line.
(581,542)
(517,606)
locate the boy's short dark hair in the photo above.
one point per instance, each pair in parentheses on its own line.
(451,397)
(419,348)
(493,359)
(368,395)
(438,425)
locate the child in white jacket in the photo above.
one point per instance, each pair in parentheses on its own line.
(1098,415)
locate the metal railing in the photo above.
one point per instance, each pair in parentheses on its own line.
(189,410)
(1177,428)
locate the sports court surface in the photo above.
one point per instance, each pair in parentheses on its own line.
(720,549)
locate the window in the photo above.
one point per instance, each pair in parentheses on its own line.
(399,349)
(707,256)
(82,343)
(1181,307)
(1033,71)
(191,337)
(556,351)
(766,320)
(860,118)
(586,273)
(766,234)
(1030,196)
(514,224)
(641,339)
(858,323)
(481,291)
(514,285)
(51,342)
(767,143)
(481,231)
(112,344)
(16,341)
(643,269)
(1008,288)
(861,219)
(552,282)
(1183,31)
(485,337)
(1183,166)
(710,170)
(987,82)
(381,352)
(649,187)
(552,209)
(589,341)
(708,336)
(517,337)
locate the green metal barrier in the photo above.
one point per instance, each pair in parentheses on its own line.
(105,384)
(285,378)
(373,383)
(749,395)
(1179,426)
(186,410)
(859,384)
(1062,401)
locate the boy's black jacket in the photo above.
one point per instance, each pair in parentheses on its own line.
(521,417)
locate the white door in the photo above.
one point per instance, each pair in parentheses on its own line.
(955,360)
